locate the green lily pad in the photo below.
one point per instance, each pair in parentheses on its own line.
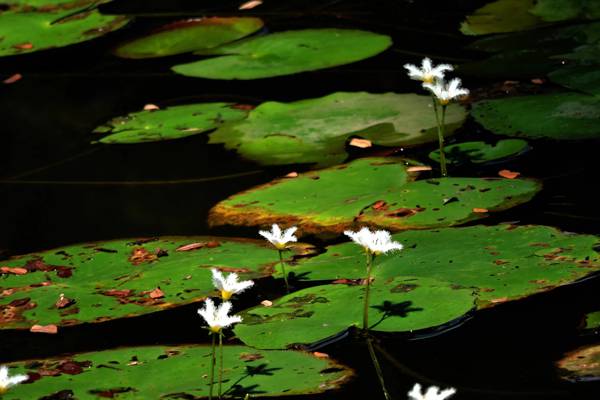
(316,130)
(116,279)
(286,53)
(370,191)
(582,365)
(561,116)
(49,5)
(169,123)
(189,35)
(481,152)
(26,32)
(397,305)
(592,321)
(562,10)
(503,262)
(178,372)
(500,16)
(584,78)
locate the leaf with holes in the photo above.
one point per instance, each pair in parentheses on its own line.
(316,130)
(481,152)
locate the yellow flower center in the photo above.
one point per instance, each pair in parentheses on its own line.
(428,79)
(444,102)
(3,389)
(280,246)
(226,295)
(215,329)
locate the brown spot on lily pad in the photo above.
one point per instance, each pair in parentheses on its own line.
(140,255)
(251,356)
(111,393)
(404,288)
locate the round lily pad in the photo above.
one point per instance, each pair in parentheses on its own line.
(169,123)
(396,305)
(500,16)
(286,53)
(189,35)
(503,262)
(116,279)
(582,78)
(592,321)
(481,152)
(26,32)
(561,116)
(370,191)
(316,130)
(178,372)
(582,365)
(562,10)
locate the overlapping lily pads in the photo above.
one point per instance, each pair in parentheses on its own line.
(582,365)
(397,305)
(170,123)
(481,152)
(189,35)
(316,130)
(502,263)
(286,53)
(179,372)
(26,32)
(108,280)
(583,78)
(563,116)
(370,191)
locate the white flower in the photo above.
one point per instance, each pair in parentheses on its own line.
(217,318)
(446,91)
(377,242)
(427,73)
(230,285)
(7,381)
(433,393)
(280,239)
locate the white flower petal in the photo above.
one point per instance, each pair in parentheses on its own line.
(377,242)
(278,238)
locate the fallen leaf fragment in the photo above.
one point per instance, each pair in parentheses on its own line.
(419,168)
(23,46)
(15,271)
(361,143)
(157,294)
(480,210)
(505,173)
(14,78)
(191,246)
(251,356)
(151,107)
(292,175)
(537,81)
(63,302)
(250,4)
(379,205)
(499,300)
(266,303)
(50,329)
(320,355)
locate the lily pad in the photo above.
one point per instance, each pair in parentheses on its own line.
(500,16)
(316,130)
(26,32)
(503,262)
(562,10)
(169,123)
(286,53)
(582,365)
(561,116)
(178,372)
(481,152)
(189,35)
(370,191)
(397,305)
(584,78)
(116,279)
(592,321)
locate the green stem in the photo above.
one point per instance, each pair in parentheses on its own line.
(377,368)
(367,291)
(220,362)
(440,126)
(212,368)
(285,277)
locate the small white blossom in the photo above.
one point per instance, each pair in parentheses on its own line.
(217,318)
(376,242)
(279,239)
(433,393)
(230,285)
(427,73)
(446,91)
(7,381)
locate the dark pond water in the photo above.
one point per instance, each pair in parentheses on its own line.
(56,188)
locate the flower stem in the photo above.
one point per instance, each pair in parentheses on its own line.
(440,125)
(212,368)
(377,368)
(367,291)
(220,362)
(285,277)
